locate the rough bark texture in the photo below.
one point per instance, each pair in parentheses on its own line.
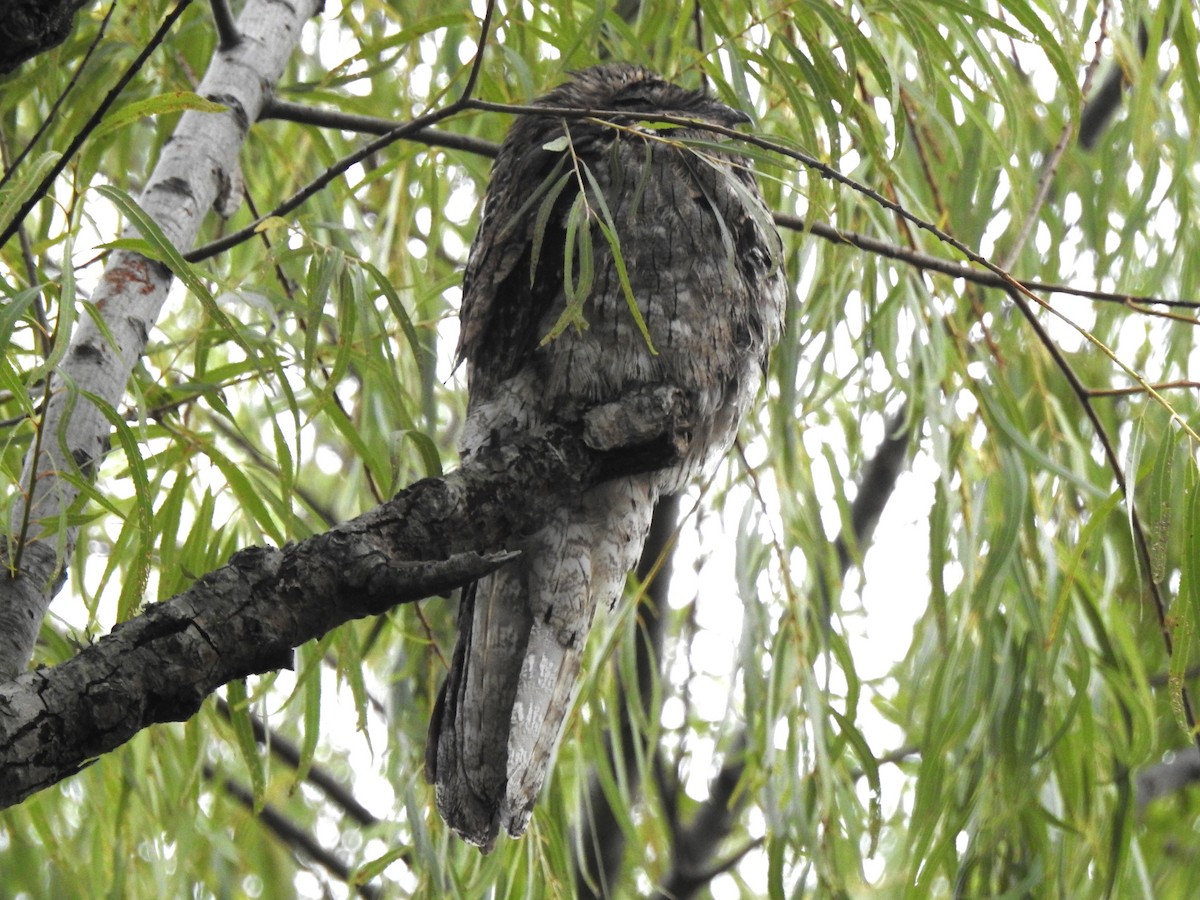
(30,27)
(197,169)
(245,617)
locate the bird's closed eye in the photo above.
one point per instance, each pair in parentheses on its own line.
(639,97)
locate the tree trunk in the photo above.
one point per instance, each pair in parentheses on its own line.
(197,170)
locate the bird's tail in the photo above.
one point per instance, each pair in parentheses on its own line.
(522,632)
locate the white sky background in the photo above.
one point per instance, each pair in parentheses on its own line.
(879,605)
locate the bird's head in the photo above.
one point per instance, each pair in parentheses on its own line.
(636,89)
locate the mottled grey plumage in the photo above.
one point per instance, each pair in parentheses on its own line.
(703,260)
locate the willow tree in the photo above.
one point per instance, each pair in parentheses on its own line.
(932,627)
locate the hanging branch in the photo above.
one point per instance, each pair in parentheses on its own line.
(433,137)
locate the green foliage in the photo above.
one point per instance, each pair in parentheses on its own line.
(964,712)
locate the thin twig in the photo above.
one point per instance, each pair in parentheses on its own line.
(967,273)
(290,111)
(297,112)
(1138,389)
(346,162)
(27,508)
(291,834)
(477,62)
(1141,543)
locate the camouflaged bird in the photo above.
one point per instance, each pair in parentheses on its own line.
(702,259)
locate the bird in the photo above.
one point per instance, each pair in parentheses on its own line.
(612,258)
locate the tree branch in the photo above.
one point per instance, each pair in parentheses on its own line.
(696,844)
(874,489)
(1103,105)
(290,111)
(245,618)
(289,753)
(1174,773)
(433,137)
(289,833)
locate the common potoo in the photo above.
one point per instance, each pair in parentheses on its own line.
(697,251)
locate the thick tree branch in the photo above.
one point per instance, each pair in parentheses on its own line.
(875,487)
(246,617)
(696,845)
(1174,773)
(1103,105)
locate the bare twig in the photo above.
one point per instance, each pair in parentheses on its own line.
(1139,389)
(288,110)
(291,834)
(400,132)
(418,130)
(967,273)
(1141,543)
(289,753)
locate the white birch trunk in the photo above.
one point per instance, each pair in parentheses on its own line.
(198,168)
